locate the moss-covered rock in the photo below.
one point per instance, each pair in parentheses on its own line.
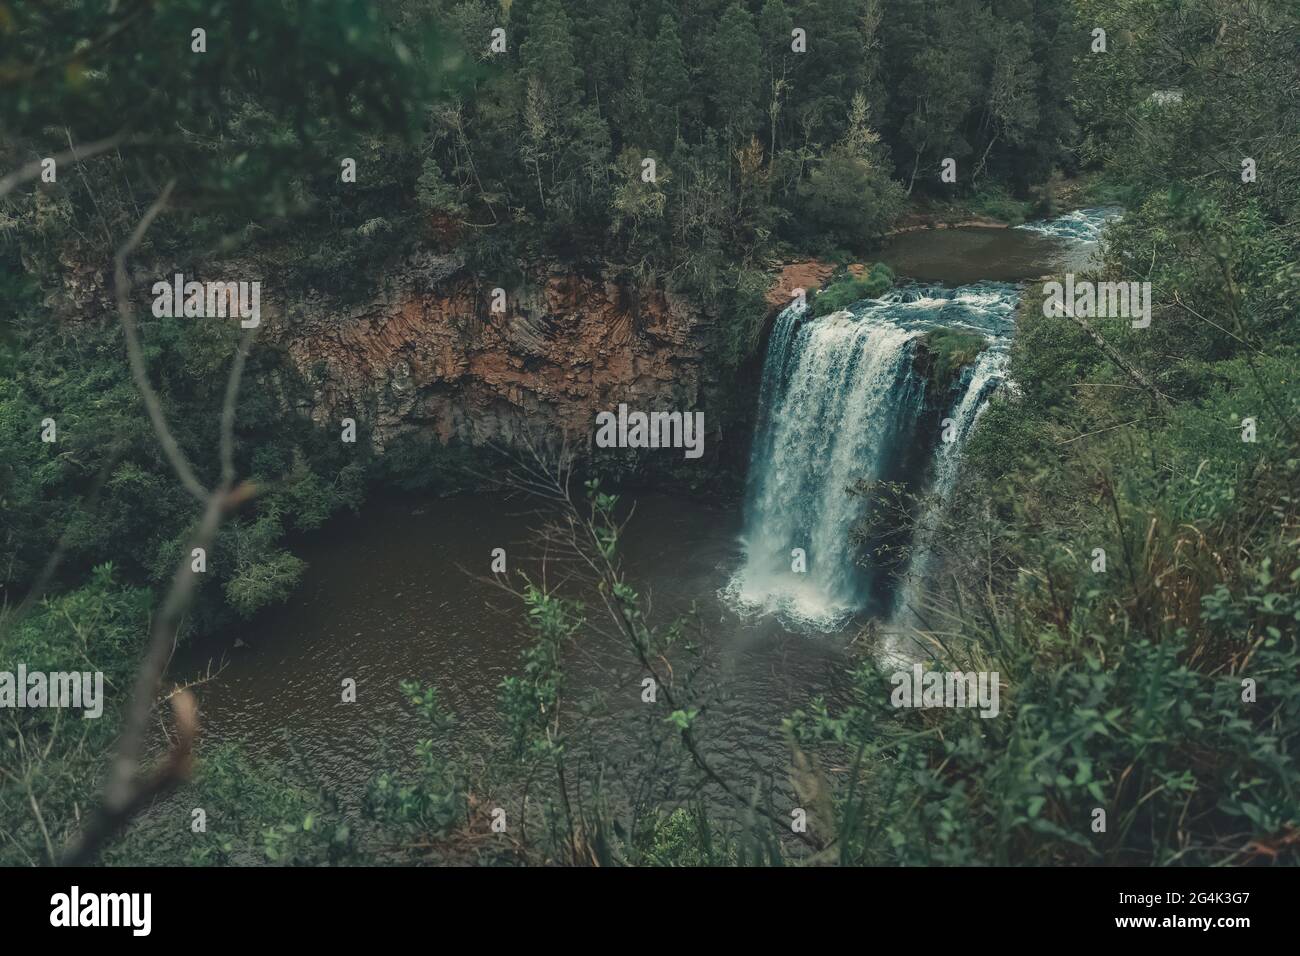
(843,292)
(946,352)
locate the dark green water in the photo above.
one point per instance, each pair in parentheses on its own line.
(401,592)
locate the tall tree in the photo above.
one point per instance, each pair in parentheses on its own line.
(669,83)
(734,69)
(774,26)
(547,54)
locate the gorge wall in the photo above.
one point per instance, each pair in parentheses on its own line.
(428,353)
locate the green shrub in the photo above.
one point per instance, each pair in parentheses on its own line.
(850,200)
(996,202)
(951,350)
(842,293)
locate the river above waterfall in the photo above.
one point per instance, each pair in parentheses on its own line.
(974,253)
(395,593)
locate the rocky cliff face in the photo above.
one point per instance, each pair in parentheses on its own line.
(430,354)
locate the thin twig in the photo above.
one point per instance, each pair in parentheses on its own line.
(136,355)
(33,169)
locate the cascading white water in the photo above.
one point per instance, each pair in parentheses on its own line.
(829,398)
(841,403)
(987,374)
(1081,225)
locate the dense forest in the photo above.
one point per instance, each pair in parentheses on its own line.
(693,147)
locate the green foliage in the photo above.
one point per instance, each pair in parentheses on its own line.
(530,702)
(684,838)
(255,814)
(998,203)
(534,136)
(432,801)
(547,55)
(51,757)
(1128,727)
(267,581)
(253,128)
(742,325)
(984,84)
(842,293)
(667,96)
(104,490)
(949,351)
(435,194)
(850,201)
(734,70)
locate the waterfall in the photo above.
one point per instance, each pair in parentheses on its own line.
(842,401)
(983,378)
(846,398)
(831,402)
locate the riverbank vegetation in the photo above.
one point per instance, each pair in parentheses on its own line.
(948,352)
(842,292)
(1124,688)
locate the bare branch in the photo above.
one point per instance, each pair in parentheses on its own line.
(228,408)
(586,537)
(108,821)
(126,794)
(1123,364)
(33,169)
(136,355)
